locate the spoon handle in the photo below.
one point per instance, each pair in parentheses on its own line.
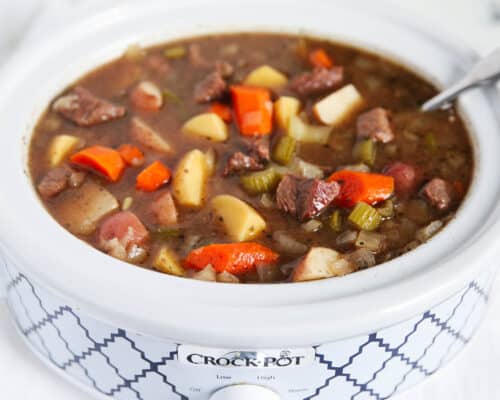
(446,96)
(486,70)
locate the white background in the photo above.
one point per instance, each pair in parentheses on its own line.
(473,375)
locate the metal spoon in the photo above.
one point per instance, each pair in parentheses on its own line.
(485,71)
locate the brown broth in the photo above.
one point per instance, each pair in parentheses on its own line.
(381,82)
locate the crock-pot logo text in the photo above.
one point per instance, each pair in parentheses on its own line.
(197,356)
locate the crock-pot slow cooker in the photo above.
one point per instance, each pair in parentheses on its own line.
(127,333)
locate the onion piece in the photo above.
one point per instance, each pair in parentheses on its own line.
(268,273)
(230,49)
(372,241)
(346,239)
(190,242)
(267,201)
(391,149)
(127,203)
(288,244)
(410,136)
(411,246)
(362,258)
(137,254)
(455,159)
(227,277)
(312,226)
(425,233)
(307,170)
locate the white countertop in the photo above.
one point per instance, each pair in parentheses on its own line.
(472,375)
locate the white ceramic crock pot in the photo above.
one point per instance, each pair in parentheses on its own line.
(129,333)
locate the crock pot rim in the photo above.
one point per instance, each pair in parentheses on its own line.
(441,289)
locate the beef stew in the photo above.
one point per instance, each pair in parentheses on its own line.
(251,158)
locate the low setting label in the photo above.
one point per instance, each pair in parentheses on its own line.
(281,358)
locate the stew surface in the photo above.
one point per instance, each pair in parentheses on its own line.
(251,158)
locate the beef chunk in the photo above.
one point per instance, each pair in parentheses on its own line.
(54,182)
(318,81)
(58,179)
(85,109)
(439,194)
(305,198)
(406,177)
(213,87)
(376,125)
(240,162)
(286,194)
(260,148)
(256,160)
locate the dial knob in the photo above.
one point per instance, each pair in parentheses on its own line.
(244,392)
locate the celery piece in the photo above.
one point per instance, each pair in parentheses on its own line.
(260,182)
(335,221)
(170,96)
(365,152)
(304,132)
(365,217)
(166,232)
(175,52)
(430,141)
(284,150)
(386,209)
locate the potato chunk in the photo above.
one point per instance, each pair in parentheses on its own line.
(227,277)
(206,274)
(320,263)
(82,208)
(190,179)
(241,221)
(267,77)
(285,108)
(60,147)
(208,125)
(340,105)
(303,132)
(166,261)
(147,136)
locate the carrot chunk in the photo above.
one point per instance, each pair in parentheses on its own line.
(361,186)
(235,258)
(222,111)
(152,177)
(319,58)
(102,160)
(254,110)
(131,154)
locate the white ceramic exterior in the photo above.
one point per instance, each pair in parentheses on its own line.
(124,364)
(128,332)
